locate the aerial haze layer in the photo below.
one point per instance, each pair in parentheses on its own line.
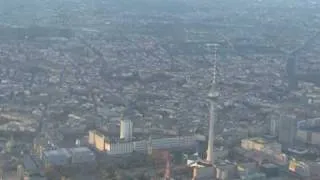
(70,66)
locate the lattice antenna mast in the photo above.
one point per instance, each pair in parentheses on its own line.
(213,91)
(214,78)
(122,116)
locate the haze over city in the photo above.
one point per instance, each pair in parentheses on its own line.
(159,90)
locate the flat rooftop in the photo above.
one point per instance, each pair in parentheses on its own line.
(261,140)
(29,164)
(204,164)
(269,165)
(137,136)
(310,129)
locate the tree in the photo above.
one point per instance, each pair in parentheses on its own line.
(107,174)
(1,173)
(142,176)
(118,175)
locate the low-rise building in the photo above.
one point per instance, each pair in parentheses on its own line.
(140,146)
(225,170)
(103,143)
(308,131)
(29,170)
(203,172)
(119,148)
(260,144)
(64,157)
(82,155)
(306,169)
(55,158)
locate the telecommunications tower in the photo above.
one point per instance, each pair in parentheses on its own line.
(212,98)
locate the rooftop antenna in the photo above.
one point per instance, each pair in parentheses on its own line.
(214,70)
(122,116)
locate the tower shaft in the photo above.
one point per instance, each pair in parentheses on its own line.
(210,155)
(213,95)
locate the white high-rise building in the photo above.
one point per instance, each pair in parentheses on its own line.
(274,125)
(126,128)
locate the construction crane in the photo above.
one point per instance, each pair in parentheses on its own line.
(165,157)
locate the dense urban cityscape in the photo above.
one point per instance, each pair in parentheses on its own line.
(159,89)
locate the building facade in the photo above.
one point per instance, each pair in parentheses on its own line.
(308,131)
(203,173)
(260,144)
(103,144)
(126,130)
(287,130)
(64,157)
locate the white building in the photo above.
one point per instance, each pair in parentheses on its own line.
(104,144)
(126,128)
(175,142)
(119,148)
(142,146)
(274,124)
